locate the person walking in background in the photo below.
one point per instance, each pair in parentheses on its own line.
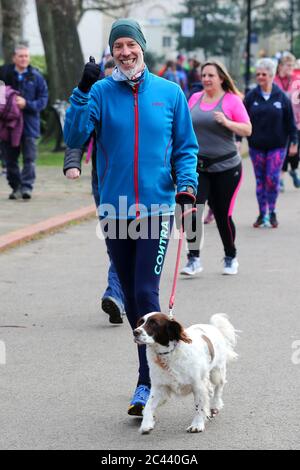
(106,57)
(32,99)
(112,301)
(194,76)
(218,114)
(11,117)
(295,99)
(142,122)
(182,72)
(172,74)
(272,118)
(284,80)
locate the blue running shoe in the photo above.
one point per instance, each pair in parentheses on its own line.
(139,400)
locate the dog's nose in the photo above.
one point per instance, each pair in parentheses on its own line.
(136,333)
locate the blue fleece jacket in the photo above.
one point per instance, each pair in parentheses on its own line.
(273,123)
(139,131)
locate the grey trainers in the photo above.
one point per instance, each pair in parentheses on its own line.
(26,194)
(230,266)
(194,266)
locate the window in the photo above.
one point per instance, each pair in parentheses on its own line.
(166,41)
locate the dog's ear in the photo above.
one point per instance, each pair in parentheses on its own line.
(176,332)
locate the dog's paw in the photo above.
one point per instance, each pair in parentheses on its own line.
(214,412)
(146,429)
(195,428)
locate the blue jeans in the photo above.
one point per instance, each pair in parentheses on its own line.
(16,178)
(114,288)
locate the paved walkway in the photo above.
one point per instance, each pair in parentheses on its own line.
(69,374)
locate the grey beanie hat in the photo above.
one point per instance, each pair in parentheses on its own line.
(126,28)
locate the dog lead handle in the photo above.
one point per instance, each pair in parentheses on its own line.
(172,297)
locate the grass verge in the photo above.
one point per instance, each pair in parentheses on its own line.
(46,156)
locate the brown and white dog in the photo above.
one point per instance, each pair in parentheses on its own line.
(186,361)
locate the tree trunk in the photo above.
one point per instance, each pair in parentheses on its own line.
(12,15)
(64,58)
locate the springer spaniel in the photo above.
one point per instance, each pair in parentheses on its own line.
(186,361)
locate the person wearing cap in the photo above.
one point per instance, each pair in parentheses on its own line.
(143,125)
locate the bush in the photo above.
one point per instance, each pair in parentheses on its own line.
(39,62)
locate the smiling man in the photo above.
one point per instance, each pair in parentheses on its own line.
(142,124)
(127,44)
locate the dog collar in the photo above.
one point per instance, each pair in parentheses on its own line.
(167,352)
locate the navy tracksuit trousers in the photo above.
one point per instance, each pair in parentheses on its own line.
(139,264)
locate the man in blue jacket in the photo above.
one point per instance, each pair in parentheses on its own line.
(142,125)
(32,99)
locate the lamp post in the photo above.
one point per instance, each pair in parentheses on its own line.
(248,47)
(292,11)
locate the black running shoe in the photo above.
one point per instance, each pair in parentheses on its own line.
(273,220)
(260,221)
(16,194)
(26,195)
(113,309)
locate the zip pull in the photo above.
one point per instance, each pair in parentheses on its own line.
(135,93)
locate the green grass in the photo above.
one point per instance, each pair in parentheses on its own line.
(46,156)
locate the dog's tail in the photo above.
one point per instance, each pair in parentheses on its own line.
(221,322)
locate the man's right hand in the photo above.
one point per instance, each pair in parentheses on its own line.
(91,74)
(72,173)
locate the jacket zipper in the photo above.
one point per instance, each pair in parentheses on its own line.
(136,150)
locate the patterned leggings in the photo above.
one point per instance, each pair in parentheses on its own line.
(267,166)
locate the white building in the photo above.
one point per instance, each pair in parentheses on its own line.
(153,15)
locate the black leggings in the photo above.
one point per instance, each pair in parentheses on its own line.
(294,160)
(221,188)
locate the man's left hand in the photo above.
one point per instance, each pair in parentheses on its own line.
(184,202)
(21,102)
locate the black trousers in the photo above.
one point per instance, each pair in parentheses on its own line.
(221,188)
(292,161)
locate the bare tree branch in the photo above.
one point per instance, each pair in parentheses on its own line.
(111,8)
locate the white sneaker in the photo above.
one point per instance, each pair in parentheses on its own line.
(193,266)
(230,265)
